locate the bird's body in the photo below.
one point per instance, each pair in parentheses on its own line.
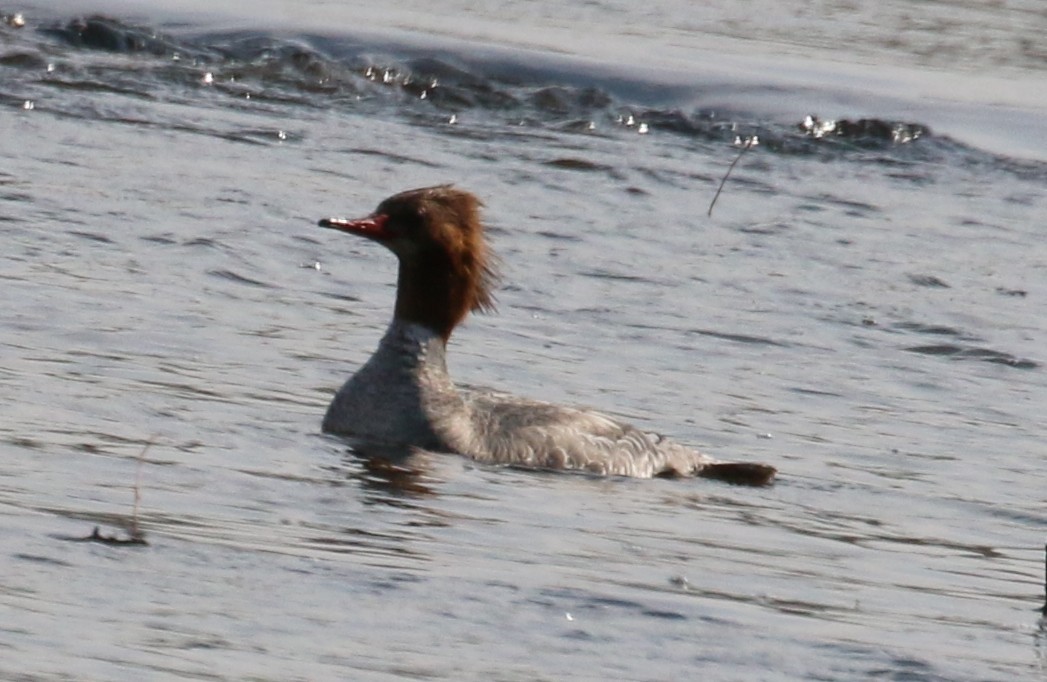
(404,396)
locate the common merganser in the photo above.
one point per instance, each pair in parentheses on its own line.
(404,396)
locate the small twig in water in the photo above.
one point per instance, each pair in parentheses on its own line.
(136,534)
(97,536)
(1044,610)
(748,144)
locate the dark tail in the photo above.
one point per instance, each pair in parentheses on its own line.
(739,473)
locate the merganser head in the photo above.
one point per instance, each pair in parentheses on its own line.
(446,268)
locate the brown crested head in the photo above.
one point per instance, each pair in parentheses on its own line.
(446,267)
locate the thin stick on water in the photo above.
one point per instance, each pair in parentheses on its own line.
(749,143)
(135,533)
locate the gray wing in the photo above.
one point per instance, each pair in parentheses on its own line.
(509,430)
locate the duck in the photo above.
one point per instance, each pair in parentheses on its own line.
(404,397)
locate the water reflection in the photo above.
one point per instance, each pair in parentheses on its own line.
(390,474)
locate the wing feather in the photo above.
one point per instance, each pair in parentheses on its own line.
(535,434)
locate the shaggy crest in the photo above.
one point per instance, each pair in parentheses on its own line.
(447,268)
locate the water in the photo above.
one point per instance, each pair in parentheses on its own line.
(864,311)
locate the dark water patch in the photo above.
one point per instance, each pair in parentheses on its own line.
(957,352)
(239,279)
(25,442)
(208,243)
(932,329)
(559,236)
(37,559)
(355,540)
(580,636)
(111,35)
(251,137)
(660,177)
(578,164)
(92,236)
(911,175)
(618,276)
(186,389)
(1016,515)
(23,60)
(857,529)
(855,661)
(665,615)
(15,196)
(567,101)
(764,228)
(341,297)
(796,607)
(739,338)
(852,207)
(928,281)
(82,82)
(205,242)
(815,392)
(399,158)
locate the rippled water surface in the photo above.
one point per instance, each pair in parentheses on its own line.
(864,309)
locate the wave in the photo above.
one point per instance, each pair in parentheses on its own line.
(433,84)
